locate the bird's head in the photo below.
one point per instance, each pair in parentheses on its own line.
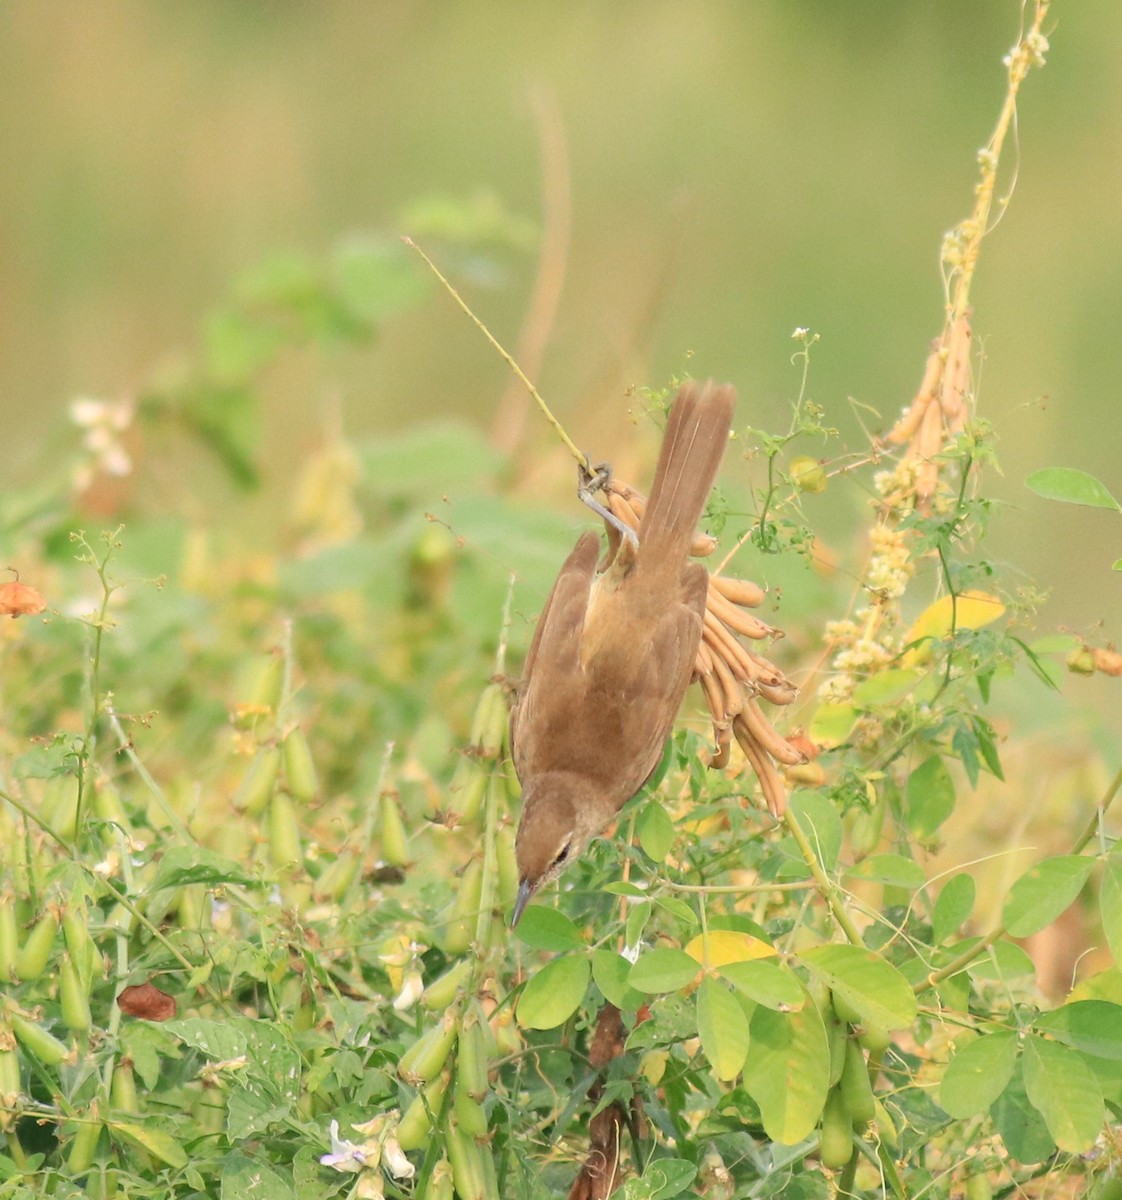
(561,814)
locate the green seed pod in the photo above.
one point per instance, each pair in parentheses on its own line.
(338,875)
(260,688)
(856,1090)
(84,1145)
(835,1147)
(845,1010)
(508,866)
(472,1055)
(423,1061)
(978,1188)
(863,828)
(9,936)
(37,1041)
(886,1129)
(465,794)
(122,1090)
(466,1158)
(107,803)
(469,1112)
(284,833)
(488,728)
(9,1064)
(465,910)
(414,1127)
(259,782)
(73,997)
(193,909)
(442,991)
(76,932)
(32,959)
(440,1186)
(875,1038)
(299,768)
(59,808)
(395,850)
(837,1037)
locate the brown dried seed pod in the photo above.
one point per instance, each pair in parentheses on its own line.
(770,783)
(725,645)
(736,618)
(768,736)
(783,693)
(730,687)
(905,428)
(622,510)
(719,758)
(714,696)
(740,591)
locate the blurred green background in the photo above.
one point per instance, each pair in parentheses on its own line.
(735,170)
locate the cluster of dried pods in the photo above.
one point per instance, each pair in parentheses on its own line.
(940,407)
(733,676)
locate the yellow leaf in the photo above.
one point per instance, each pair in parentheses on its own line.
(970,610)
(721,946)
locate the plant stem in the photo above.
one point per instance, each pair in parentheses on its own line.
(579,455)
(822,881)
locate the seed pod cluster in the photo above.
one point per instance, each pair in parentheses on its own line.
(733,676)
(448,1064)
(851,1102)
(940,408)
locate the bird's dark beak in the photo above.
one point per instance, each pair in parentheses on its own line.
(525,891)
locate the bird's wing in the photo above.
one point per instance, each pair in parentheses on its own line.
(557,637)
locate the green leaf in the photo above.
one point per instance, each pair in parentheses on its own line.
(930,797)
(164,1146)
(978,1074)
(182,865)
(637,917)
(1090,1026)
(1110,905)
(665,969)
(254,1179)
(822,826)
(376,278)
(265,1091)
(866,982)
(1043,892)
(554,993)
(1003,961)
(1072,487)
(765,983)
(954,905)
(787,1071)
(1022,1128)
(885,687)
(893,869)
(667,1177)
(1064,1090)
(832,724)
(543,928)
(427,460)
(655,831)
(610,972)
(723,1028)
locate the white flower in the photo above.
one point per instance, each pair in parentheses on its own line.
(345,1156)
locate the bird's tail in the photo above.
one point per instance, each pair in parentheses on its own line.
(692,448)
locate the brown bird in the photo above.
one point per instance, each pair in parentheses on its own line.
(612,654)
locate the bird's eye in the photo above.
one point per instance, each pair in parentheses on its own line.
(563,854)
